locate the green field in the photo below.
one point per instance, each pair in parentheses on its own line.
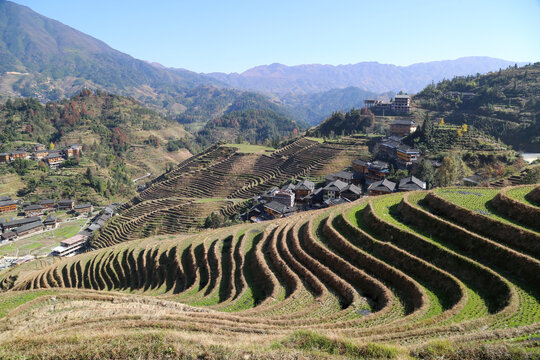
(251,149)
(43,243)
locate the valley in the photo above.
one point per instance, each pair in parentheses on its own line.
(337,208)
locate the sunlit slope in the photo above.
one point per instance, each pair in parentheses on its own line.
(403,269)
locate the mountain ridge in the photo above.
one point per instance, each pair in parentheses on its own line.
(369,75)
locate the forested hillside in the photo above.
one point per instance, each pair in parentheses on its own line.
(253,118)
(351,122)
(504,104)
(121,140)
(45,59)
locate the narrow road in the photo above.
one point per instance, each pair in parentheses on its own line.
(142,177)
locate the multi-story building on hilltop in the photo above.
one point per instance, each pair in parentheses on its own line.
(402,104)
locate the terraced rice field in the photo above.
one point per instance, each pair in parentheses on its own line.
(396,275)
(220,180)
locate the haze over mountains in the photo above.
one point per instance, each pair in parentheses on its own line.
(43,58)
(370,76)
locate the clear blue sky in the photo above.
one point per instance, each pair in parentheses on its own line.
(232,36)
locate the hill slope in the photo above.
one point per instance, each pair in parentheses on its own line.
(503,104)
(378,278)
(371,76)
(43,58)
(121,140)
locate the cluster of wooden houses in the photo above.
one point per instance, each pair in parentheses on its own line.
(43,206)
(303,196)
(53,158)
(76,243)
(33,222)
(13,229)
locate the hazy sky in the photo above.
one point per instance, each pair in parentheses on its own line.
(232,36)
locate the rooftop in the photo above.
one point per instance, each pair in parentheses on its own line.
(412,183)
(279,207)
(29,226)
(74,240)
(7,203)
(336,185)
(33,207)
(404,122)
(383,185)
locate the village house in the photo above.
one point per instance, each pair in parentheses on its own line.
(50,222)
(66,204)
(348,177)
(83,208)
(40,154)
(401,104)
(72,150)
(8,236)
(407,155)
(8,205)
(286,197)
(19,154)
(33,210)
(29,228)
(402,127)
(54,159)
(70,246)
(313,199)
(333,190)
(4,157)
(411,183)
(39,147)
(304,188)
(351,192)
(378,106)
(12,224)
(381,187)
(279,210)
(334,202)
(371,170)
(388,147)
(48,204)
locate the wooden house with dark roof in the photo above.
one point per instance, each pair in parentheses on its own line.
(351,192)
(403,127)
(50,222)
(19,154)
(381,187)
(334,189)
(66,204)
(48,203)
(411,183)
(278,210)
(8,225)
(4,157)
(407,155)
(33,210)
(8,235)
(304,188)
(8,205)
(83,208)
(29,228)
